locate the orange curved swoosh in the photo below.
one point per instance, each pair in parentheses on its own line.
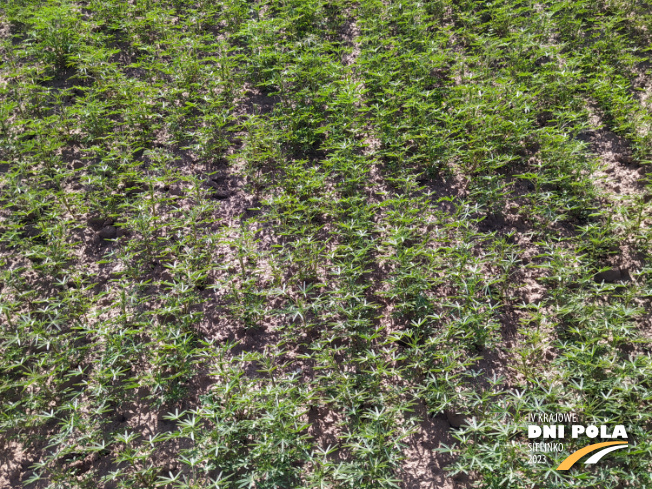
(575,456)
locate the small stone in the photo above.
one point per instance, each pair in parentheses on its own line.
(608,276)
(108,232)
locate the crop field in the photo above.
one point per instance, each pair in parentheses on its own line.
(304,244)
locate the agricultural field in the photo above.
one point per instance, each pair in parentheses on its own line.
(306,244)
